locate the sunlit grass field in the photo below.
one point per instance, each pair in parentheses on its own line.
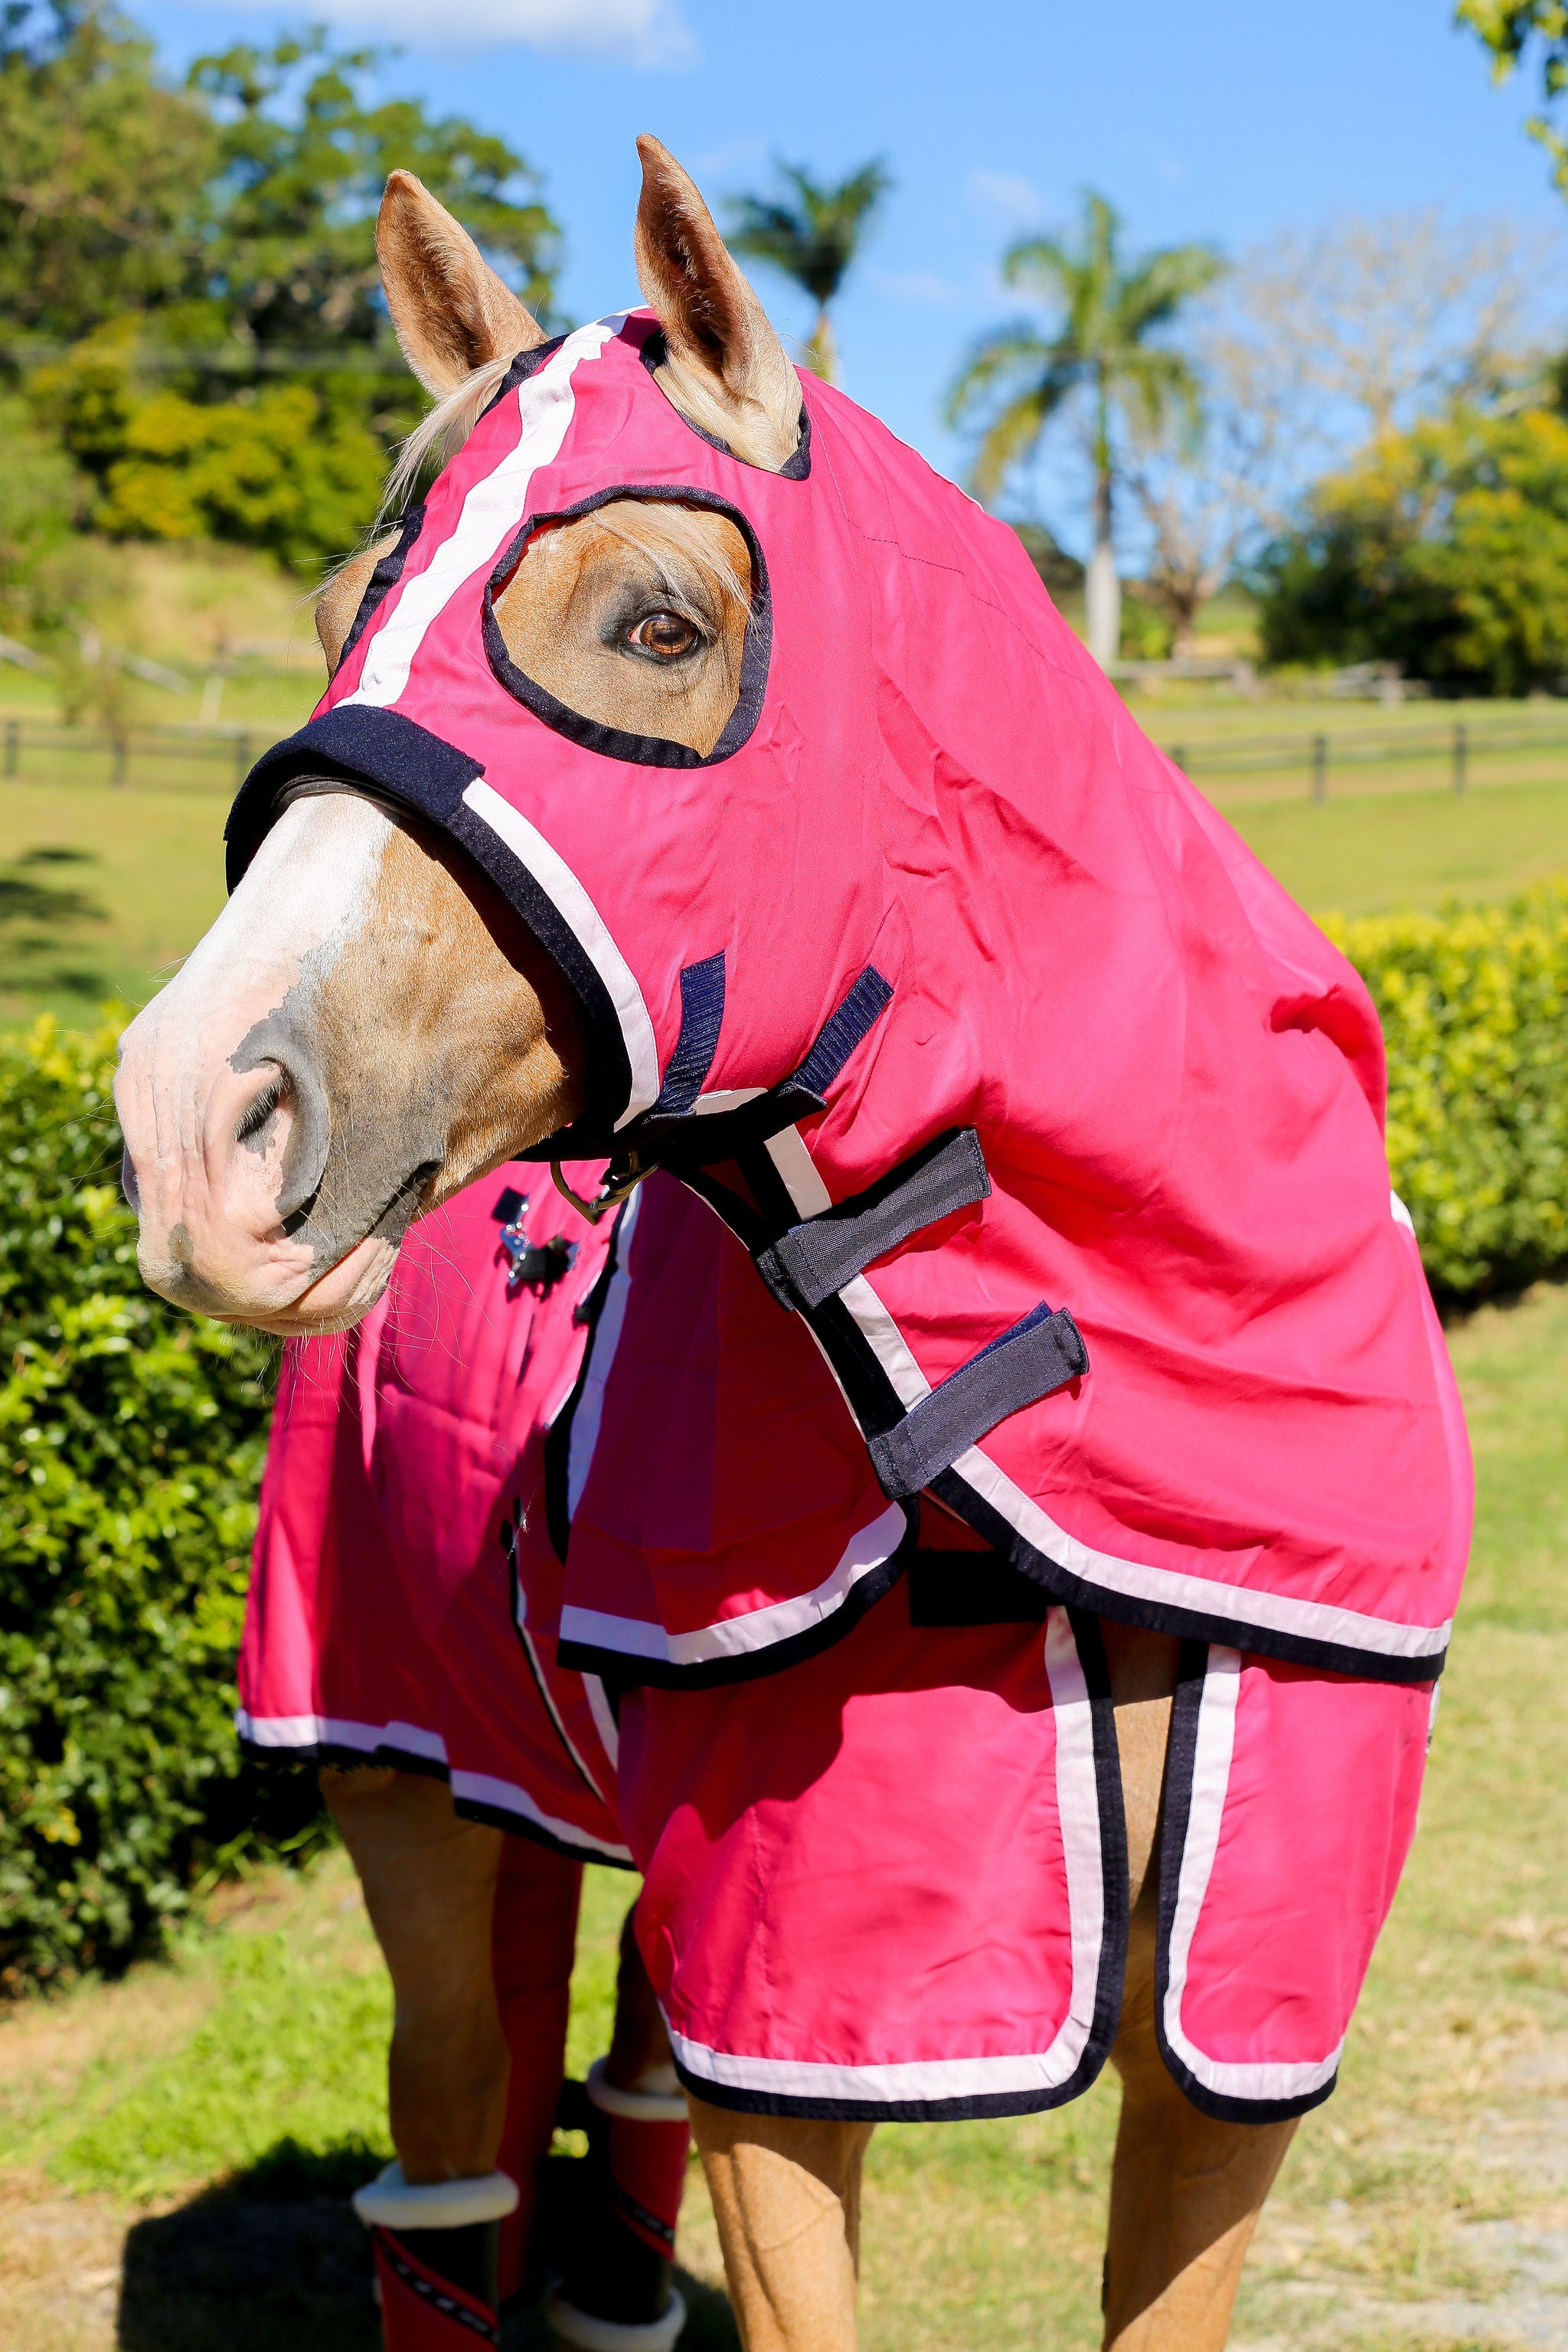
(1427,2205)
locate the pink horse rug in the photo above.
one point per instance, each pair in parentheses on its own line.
(891,1882)
(1032,1097)
(406,1593)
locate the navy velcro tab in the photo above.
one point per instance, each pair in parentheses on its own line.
(817,1257)
(862,1009)
(1038,1356)
(510,1206)
(702,1018)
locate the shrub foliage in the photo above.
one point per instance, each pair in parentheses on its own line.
(1444,548)
(1474,1005)
(130,1440)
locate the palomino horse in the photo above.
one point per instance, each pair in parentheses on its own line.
(399,1623)
(370,1024)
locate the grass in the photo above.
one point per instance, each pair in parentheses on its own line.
(1409,2214)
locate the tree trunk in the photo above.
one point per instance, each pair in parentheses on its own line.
(1102,588)
(822,352)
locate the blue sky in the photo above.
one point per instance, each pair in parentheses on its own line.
(1206,118)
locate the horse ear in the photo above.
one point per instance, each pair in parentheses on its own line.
(451,312)
(727,370)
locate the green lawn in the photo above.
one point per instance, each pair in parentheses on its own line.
(1420,2208)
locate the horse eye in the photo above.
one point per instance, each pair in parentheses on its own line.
(666,636)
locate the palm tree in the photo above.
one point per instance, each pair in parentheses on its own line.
(813,238)
(1016,379)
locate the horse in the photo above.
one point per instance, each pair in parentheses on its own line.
(400,1633)
(371,1023)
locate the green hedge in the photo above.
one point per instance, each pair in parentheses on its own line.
(1474,1003)
(130,1437)
(131,1443)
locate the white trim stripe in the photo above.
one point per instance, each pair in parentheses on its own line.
(491,512)
(278,1733)
(1264,2079)
(1198,1596)
(284,1731)
(1038,2072)
(505,1797)
(588,927)
(583,1435)
(756,1629)
(1201,1596)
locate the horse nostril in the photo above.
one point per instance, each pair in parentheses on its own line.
(128,1183)
(255,1122)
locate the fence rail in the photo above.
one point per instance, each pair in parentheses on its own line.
(141,753)
(233,749)
(1318,753)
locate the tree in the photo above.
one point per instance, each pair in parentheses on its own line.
(813,238)
(303,160)
(1361,325)
(1508,28)
(1444,548)
(209,255)
(1099,354)
(105,172)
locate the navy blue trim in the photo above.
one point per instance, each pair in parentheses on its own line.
(594,734)
(692,1142)
(1176,1808)
(330,1751)
(655,352)
(358,745)
(1163,1617)
(752,1665)
(973,1588)
(381,582)
(701,1017)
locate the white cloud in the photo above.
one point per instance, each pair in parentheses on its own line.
(1016,200)
(915,286)
(620,32)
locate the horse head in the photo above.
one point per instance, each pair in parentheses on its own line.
(377,1017)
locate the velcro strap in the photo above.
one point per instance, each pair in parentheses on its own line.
(1041,1354)
(817,1258)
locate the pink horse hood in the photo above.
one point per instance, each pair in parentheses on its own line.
(1028,1091)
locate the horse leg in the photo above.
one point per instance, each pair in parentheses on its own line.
(786,2198)
(533,1941)
(1186,2188)
(619,2280)
(429,1882)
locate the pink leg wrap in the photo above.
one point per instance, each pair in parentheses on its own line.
(425,2309)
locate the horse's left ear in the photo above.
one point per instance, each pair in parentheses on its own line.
(451,312)
(727,370)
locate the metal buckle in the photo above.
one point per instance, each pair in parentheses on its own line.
(617,1186)
(537,1265)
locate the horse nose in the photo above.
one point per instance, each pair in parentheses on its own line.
(292,1097)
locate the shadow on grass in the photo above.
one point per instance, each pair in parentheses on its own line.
(274,2261)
